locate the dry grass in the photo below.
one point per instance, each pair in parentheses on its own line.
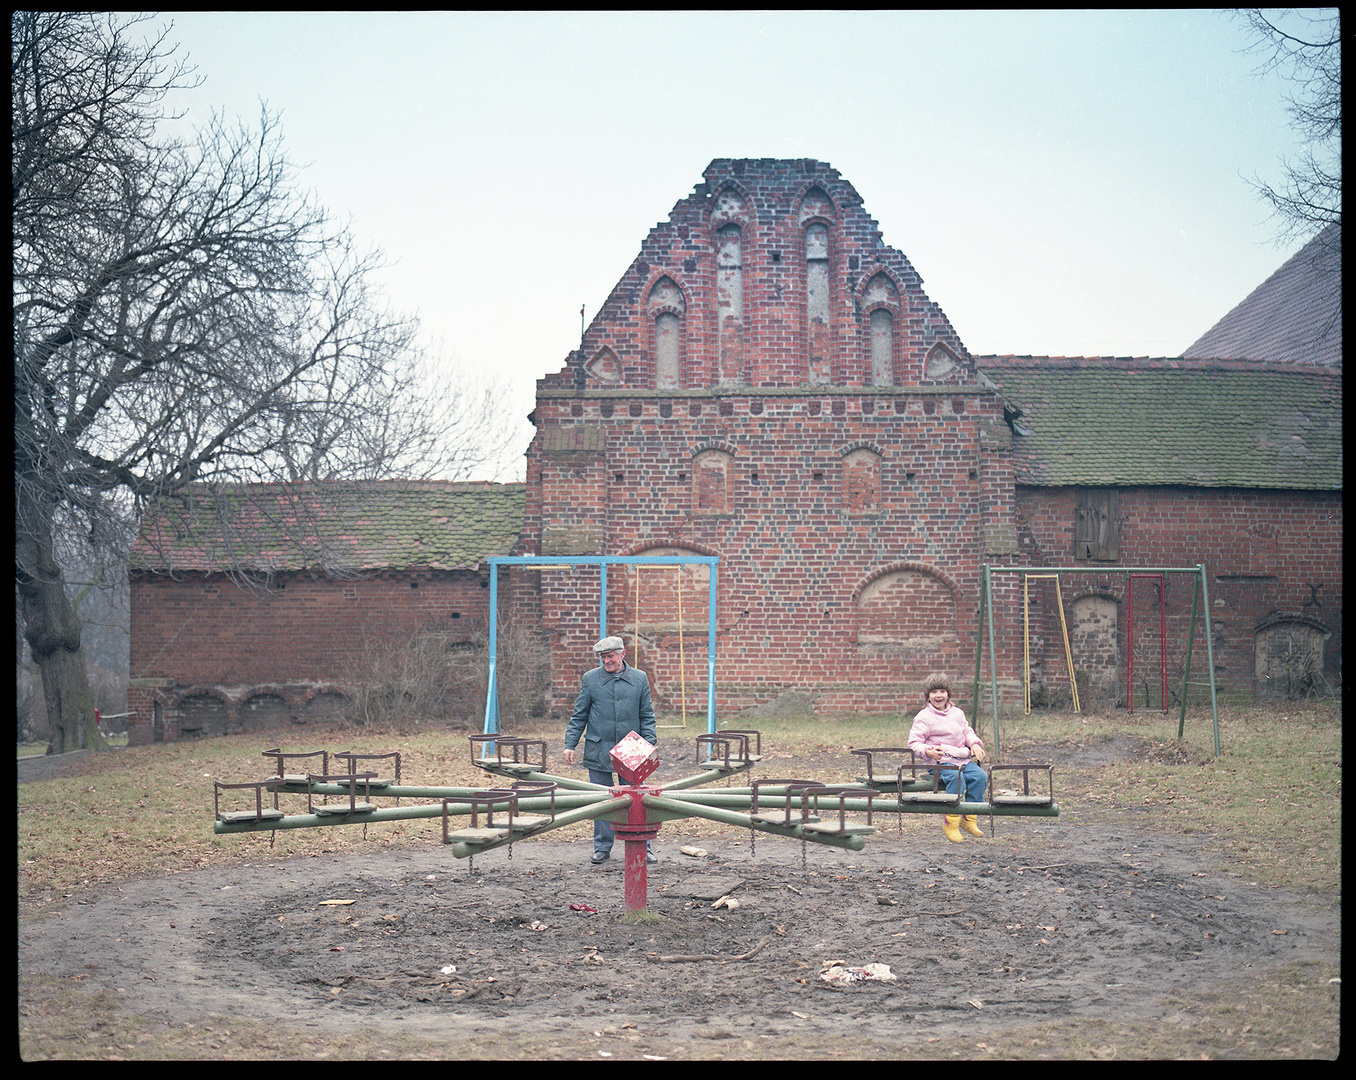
(148,810)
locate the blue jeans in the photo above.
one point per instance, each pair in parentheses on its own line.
(976,780)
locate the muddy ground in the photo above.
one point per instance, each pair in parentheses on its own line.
(1084,916)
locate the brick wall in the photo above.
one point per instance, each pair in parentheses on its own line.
(1274,568)
(287,651)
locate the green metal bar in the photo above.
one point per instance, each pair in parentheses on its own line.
(979,645)
(422,810)
(534,803)
(1210,653)
(1191,644)
(1094,569)
(682,808)
(707,777)
(880,805)
(993,660)
(972,808)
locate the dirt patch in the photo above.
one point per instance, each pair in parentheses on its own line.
(1085,917)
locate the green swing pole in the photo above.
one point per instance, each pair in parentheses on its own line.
(979,649)
(993,658)
(1191,644)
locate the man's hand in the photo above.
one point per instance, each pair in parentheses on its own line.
(569,757)
(977,753)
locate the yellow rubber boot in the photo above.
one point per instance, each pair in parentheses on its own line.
(970,825)
(950,829)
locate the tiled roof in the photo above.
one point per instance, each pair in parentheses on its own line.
(1108,422)
(1294,317)
(348,526)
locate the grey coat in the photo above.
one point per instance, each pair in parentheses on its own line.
(607,709)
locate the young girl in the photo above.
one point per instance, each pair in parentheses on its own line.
(941,733)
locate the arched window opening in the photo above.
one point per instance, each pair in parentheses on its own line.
(667,308)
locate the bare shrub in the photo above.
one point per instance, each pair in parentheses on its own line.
(438,675)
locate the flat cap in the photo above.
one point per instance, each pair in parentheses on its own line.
(609,644)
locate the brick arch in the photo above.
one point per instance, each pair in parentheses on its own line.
(309,704)
(194,722)
(894,305)
(256,710)
(1094,616)
(712,480)
(911,609)
(895,567)
(655,307)
(804,218)
(664,613)
(713,444)
(1289,651)
(641,546)
(861,481)
(848,448)
(715,219)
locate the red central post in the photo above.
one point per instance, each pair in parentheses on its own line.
(634,759)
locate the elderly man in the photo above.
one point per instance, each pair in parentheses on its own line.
(613,701)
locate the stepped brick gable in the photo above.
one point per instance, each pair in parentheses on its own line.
(768,382)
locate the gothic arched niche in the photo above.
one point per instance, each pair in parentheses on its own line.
(666,308)
(880,299)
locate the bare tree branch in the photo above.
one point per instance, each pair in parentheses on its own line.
(1306,47)
(183,313)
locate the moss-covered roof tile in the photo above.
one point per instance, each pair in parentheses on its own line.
(1120,422)
(348,526)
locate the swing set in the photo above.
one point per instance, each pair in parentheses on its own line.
(553,562)
(1200,607)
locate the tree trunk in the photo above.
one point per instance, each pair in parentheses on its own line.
(53,634)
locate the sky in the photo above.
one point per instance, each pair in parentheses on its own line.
(1066,183)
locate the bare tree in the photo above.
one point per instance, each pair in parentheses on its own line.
(1306,47)
(182,312)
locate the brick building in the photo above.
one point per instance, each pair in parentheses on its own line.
(769,383)
(325,582)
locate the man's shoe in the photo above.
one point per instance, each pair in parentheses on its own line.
(651,857)
(600,857)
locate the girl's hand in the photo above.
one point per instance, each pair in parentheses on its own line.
(935,752)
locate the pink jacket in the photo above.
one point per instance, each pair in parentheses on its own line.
(949,730)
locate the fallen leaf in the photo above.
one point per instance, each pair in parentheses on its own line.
(337,903)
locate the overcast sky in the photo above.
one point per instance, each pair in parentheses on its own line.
(1066,183)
